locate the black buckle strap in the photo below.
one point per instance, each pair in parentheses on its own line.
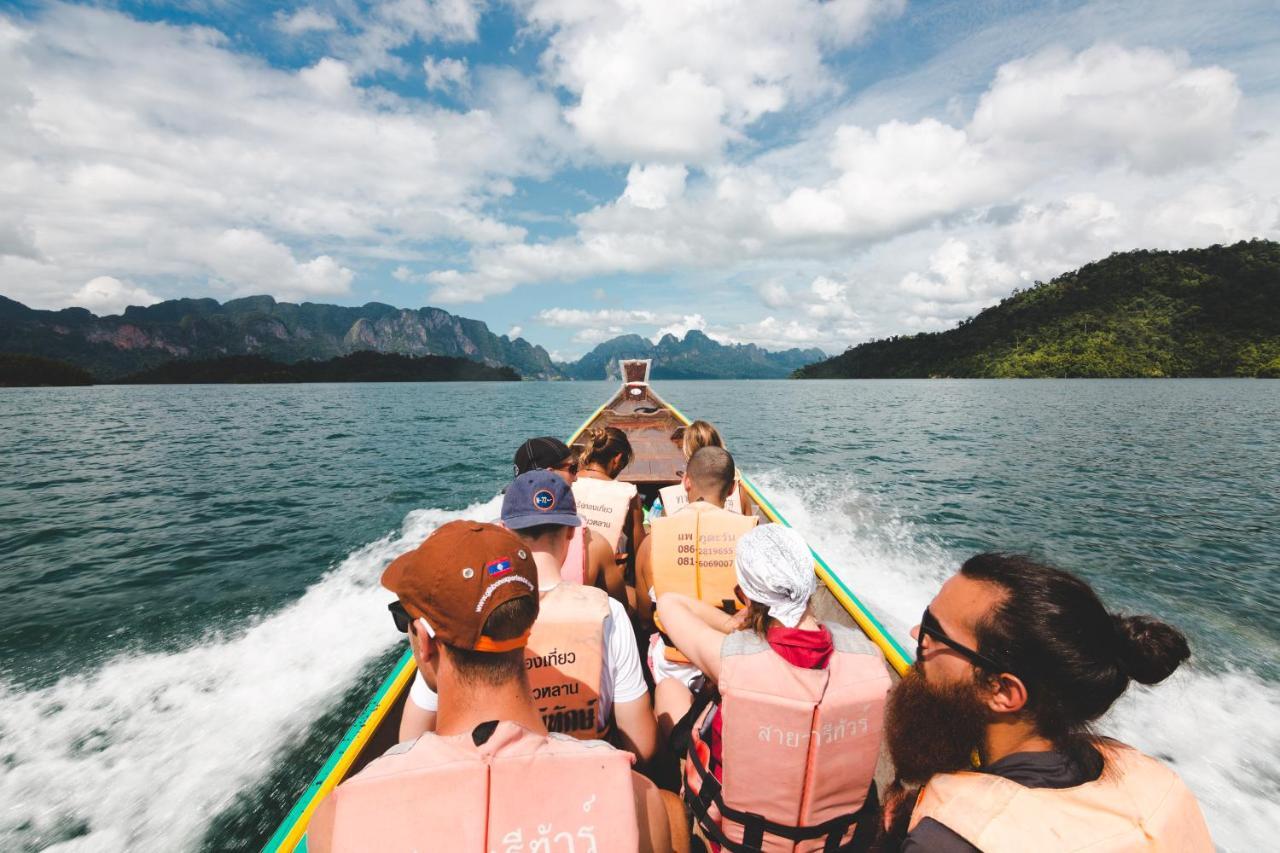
(754,826)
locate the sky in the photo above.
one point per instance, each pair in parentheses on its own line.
(789,173)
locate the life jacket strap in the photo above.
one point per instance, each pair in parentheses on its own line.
(754,826)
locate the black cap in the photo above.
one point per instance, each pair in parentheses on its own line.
(542,452)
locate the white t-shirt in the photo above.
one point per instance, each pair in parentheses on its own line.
(622,679)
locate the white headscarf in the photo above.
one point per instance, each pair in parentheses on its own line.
(775,568)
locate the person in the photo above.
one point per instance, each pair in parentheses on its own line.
(783,756)
(468,598)
(590,559)
(584,670)
(1015,661)
(609,506)
(691,552)
(673,498)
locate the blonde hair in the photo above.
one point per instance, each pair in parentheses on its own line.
(600,444)
(698,435)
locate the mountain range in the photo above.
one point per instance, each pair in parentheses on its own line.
(143,338)
(1196,312)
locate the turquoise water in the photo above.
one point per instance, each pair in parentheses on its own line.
(189,610)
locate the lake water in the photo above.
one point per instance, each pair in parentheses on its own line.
(190,615)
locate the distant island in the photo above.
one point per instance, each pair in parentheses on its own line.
(357,367)
(30,370)
(24,370)
(697,356)
(1199,312)
(184,331)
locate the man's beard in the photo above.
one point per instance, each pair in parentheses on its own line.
(933,729)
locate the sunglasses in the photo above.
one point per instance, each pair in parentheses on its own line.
(929,625)
(571,467)
(401,616)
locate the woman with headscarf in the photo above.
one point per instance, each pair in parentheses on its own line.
(782,751)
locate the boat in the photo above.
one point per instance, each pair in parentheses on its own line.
(654,428)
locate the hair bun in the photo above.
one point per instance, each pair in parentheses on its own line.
(1150,650)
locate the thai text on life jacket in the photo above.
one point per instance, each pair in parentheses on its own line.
(693,555)
(565,659)
(605,505)
(799,746)
(451,793)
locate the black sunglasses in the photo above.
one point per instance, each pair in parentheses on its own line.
(401,616)
(571,467)
(929,625)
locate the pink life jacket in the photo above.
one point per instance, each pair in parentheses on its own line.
(565,660)
(605,505)
(1136,804)
(514,791)
(574,569)
(799,746)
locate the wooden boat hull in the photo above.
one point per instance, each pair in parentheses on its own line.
(653,428)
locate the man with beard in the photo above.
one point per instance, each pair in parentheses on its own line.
(1014,662)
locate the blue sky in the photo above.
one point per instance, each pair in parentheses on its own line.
(784,172)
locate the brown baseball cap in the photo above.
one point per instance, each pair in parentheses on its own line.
(458,576)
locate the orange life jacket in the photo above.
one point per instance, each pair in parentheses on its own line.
(515,791)
(693,555)
(675,498)
(799,747)
(1137,804)
(605,505)
(565,658)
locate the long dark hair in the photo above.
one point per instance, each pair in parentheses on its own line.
(1075,657)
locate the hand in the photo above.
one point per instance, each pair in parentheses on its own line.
(736,622)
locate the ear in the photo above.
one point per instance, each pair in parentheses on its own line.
(426,650)
(685,481)
(1008,695)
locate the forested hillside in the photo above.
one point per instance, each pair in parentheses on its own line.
(1198,312)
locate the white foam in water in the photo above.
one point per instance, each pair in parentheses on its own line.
(143,753)
(1219,729)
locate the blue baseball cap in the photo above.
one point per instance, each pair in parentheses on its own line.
(539,497)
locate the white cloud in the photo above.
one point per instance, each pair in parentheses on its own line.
(1144,107)
(106,295)
(577,317)
(245,259)
(514,332)
(305,20)
(681,327)
(673,81)
(119,157)
(445,74)
(653,186)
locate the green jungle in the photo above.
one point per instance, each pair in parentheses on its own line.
(1199,312)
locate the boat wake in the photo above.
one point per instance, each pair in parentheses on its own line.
(1220,729)
(144,752)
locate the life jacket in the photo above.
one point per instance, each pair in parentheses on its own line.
(693,555)
(605,505)
(1137,804)
(799,747)
(574,569)
(675,498)
(515,791)
(565,658)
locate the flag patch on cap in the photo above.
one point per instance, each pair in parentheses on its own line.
(544,500)
(498,568)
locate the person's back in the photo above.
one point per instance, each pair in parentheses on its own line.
(781,755)
(673,498)
(609,506)
(692,551)
(468,598)
(1015,661)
